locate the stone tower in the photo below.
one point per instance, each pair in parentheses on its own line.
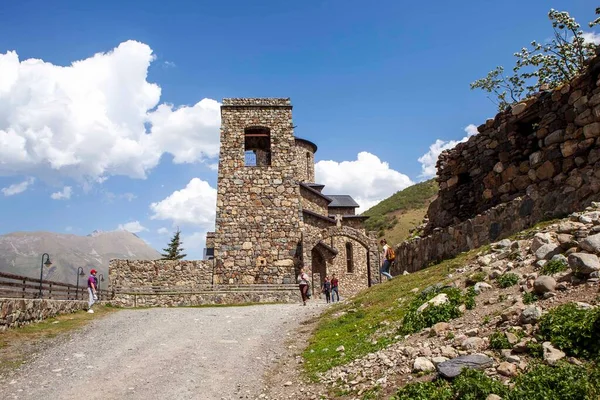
(258,220)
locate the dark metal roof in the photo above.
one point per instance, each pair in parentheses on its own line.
(316,186)
(308,142)
(342,200)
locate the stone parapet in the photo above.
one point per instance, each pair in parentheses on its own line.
(160,273)
(257,102)
(19,312)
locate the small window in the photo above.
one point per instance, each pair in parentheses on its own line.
(307,166)
(349,258)
(257,146)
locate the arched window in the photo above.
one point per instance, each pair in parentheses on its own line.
(257,146)
(349,258)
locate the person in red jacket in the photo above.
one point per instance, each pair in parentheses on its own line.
(334,288)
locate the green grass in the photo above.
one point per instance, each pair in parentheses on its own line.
(354,324)
(394,210)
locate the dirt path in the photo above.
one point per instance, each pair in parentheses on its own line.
(181,353)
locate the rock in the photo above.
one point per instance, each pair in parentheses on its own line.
(493,397)
(440,327)
(481,287)
(438,300)
(540,239)
(448,351)
(551,354)
(288,383)
(512,312)
(485,260)
(507,369)
(544,284)
(511,337)
(472,332)
(422,364)
(531,314)
(452,368)
(340,349)
(547,251)
(584,263)
(438,360)
(583,306)
(503,244)
(566,241)
(473,343)
(591,243)
(518,108)
(513,359)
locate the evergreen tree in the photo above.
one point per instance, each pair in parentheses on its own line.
(174,251)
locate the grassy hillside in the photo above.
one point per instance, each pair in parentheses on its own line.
(396,215)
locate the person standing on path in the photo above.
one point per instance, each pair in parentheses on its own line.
(303,280)
(327,289)
(92,293)
(387,257)
(334,288)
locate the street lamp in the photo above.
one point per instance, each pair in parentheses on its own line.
(101,276)
(79,273)
(48,263)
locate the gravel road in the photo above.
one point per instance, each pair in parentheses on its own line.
(177,353)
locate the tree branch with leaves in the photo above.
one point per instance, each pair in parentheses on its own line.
(174,251)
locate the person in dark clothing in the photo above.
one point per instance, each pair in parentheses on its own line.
(334,288)
(327,289)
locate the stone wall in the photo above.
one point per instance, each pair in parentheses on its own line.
(160,273)
(545,147)
(258,216)
(18,312)
(313,201)
(341,211)
(305,160)
(355,280)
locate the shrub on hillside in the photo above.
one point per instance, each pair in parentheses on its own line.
(436,390)
(475,277)
(498,341)
(529,297)
(574,330)
(414,321)
(507,280)
(554,267)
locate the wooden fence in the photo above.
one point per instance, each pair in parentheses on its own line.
(17,286)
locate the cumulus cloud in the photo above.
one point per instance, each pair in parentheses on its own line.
(133,227)
(429,159)
(17,187)
(367,179)
(591,37)
(64,194)
(194,205)
(96,117)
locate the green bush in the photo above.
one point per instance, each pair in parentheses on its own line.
(498,341)
(535,349)
(554,266)
(507,280)
(475,277)
(563,381)
(436,390)
(529,297)
(472,384)
(573,330)
(414,321)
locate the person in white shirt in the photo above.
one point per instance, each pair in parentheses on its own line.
(303,280)
(385,261)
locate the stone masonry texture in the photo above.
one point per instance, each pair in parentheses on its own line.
(19,312)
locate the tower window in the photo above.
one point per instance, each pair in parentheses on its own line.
(307,166)
(349,258)
(257,146)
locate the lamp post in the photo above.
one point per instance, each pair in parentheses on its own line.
(101,276)
(47,263)
(79,273)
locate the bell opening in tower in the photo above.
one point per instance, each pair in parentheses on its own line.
(257,146)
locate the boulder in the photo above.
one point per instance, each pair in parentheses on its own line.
(438,360)
(473,343)
(448,351)
(440,327)
(507,369)
(481,287)
(544,284)
(531,315)
(591,243)
(539,240)
(438,300)
(422,364)
(584,263)
(547,251)
(551,354)
(452,368)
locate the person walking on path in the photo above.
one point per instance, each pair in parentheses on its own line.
(327,289)
(92,293)
(303,280)
(334,288)
(387,257)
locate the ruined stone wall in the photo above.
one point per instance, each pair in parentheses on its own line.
(305,161)
(313,202)
(160,273)
(258,208)
(341,211)
(545,147)
(19,312)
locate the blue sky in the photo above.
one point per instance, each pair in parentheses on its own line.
(385,79)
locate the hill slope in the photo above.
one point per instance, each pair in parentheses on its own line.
(20,252)
(396,215)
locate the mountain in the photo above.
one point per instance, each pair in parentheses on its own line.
(21,253)
(394,217)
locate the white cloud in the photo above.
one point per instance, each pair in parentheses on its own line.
(591,37)
(367,179)
(169,64)
(162,231)
(95,118)
(133,227)
(129,196)
(17,188)
(65,194)
(193,205)
(429,159)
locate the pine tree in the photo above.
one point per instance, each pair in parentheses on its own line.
(174,251)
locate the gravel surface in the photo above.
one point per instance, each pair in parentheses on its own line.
(177,353)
